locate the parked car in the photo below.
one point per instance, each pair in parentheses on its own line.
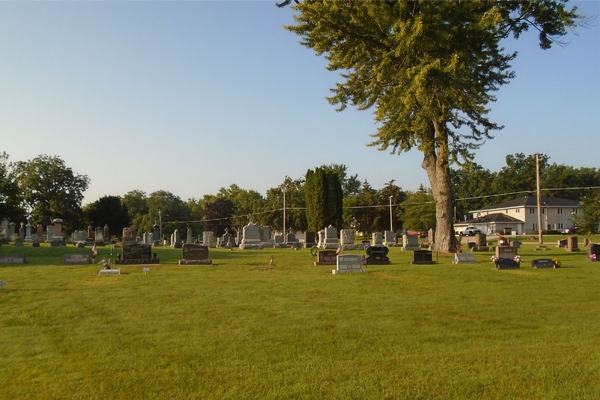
(570,229)
(470,231)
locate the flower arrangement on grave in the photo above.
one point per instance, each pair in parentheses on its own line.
(495,258)
(517,259)
(593,257)
(556,262)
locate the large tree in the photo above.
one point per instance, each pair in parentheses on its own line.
(51,190)
(324,199)
(10,198)
(108,210)
(428,68)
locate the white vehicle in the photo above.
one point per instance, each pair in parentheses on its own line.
(470,231)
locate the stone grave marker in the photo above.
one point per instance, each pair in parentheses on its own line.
(347,240)
(561,243)
(377,255)
(506,252)
(251,237)
(309,239)
(348,263)
(422,257)
(542,263)
(326,257)
(572,243)
(410,242)
(76,258)
(129,235)
(137,253)
(593,251)
(12,259)
(109,272)
(176,242)
(377,239)
(329,239)
(194,254)
(464,258)
(99,236)
(507,263)
(389,239)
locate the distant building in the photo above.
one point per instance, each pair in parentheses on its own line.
(521,216)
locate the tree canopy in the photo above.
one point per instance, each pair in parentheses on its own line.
(429,70)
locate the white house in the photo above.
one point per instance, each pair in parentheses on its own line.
(521,216)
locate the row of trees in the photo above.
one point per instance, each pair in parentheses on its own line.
(45,188)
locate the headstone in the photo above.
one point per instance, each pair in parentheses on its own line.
(377,255)
(348,263)
(290,238)
(78,236)
(586,242)
(225,239)
(194,254)
(326,257)
(389,239)
(347,240)
(189,238)
(422,257)
(278,238)
(76,258)
(156,235)
(572,243)
(251,237)
(106,234)
(431,235)
(22,231)
(328,239)
(39,235)
(542,263)
(99,236)
(464,258)
(176,242)
(410,242)
(309,239)
(109,272)
(11,230)
(28,237)
(506,252)
(265,234)
(90,235)
(593,251)
(137,253)
(18,242)
(516,244)
(561,243)
(57,234)
(506,263)
(129,235)
(377,239)
(12,259)
(481,239)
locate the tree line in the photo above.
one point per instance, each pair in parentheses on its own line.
(46,188)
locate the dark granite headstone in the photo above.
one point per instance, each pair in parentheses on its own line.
(309,239)
(326,257)
(377,255)
(507,263)
(422,257)
(137,253)
(194,254)
(593,249)
(542,263)
(12,258)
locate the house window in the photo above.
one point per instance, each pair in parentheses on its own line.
(534,227)
(532,211)
(559,211)
(574,211)
(560,225)
(518,210)
(543,211)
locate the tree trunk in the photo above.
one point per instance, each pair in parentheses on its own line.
(437,166)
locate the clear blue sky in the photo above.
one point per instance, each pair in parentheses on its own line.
(189,97)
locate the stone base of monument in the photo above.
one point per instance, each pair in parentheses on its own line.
(347,264)
(507,263)
(411,248)
(109,272)
(139,261)
(195,262)
(251,246)
(359,246)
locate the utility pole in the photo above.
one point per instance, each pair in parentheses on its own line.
(539,196)
(284,236)
(391,216)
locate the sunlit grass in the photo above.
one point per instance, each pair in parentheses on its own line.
(243,329)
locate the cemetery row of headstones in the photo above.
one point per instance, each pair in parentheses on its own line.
(52,234)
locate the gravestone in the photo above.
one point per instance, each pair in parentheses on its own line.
(176,241)
(290,238)
(506,252)
(326,257)
(410,242)
(49,233)
(11,231)
(90,235)
(464,258)
(278,240)
(542,263)
(99,236)
(347,240)
(431,235)
(516,244)
(76,258)
(109,272)
(28,237)
(348,263)
(561,243)
(12,259)
(129,235)
(422,257)
(190,238)
(106,234)
(506,263)
(137,253)
(78,237)
(586,242)
(156,235)
(389,239)
(224,240)
(251,237)
(377,255)
(480,243)
(572,243)
(309,239)
(329,238)
(18,242)
(377,238)
(57,234)
(22,232)
(593,249)
(194,254)
(39,235)
(265,234)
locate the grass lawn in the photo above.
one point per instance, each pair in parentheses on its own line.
(241,329)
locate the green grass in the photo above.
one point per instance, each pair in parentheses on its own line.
(242,329)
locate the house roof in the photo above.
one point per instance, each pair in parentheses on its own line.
(531,201)
(491,218)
